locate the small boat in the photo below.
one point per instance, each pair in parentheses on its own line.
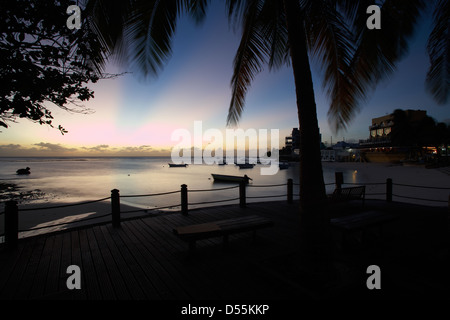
(23,171)
(283,165)
(225,178)
(245,165)
(175,165)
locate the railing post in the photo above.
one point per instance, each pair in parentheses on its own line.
(115,207)
(242,200)
(389,190)
(290,190)
(449,202)
(11,224)
(339,177)
(184,199)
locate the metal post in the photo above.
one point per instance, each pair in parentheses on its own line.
(11,224)
(339,177)
(184,199)
(115,207)
(242,200)
(389,190)
(290,190)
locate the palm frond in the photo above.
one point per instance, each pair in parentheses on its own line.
(379,50)
(376,52)
(149,33)
(275,32)
(107,19)
(331,44)
(438,47)
(250,57)
(236,10)
(197,9)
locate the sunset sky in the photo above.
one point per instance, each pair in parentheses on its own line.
(133,116)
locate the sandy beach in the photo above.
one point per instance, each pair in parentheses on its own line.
(68,216)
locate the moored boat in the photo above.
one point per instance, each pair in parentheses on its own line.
(23,171)
(227,178)
(173,165)
(245,165)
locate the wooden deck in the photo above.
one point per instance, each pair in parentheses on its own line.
(144,260)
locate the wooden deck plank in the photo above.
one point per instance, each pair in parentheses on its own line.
(176,252)
(53,279)
(117,282)
(125,263)
(66,260)
(9,261)
(101,273)
(38,286)
(138,266)
(229,277)
(90,278)
(30,271)
(156,246)
(77,261)
(152,267)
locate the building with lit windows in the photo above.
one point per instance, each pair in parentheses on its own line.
(379,131)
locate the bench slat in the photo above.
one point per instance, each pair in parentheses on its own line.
(222,227)
(197,228)
(362,220)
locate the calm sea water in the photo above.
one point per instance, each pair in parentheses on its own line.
(80,179)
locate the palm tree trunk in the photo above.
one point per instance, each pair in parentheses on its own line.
(313,218)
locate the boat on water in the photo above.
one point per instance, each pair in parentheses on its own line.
(245,165)
(226,178)
(174,165)
(23,171)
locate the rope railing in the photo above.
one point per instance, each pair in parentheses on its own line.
(215,189)
(415,198)
(11,208)
(259,197)
(424,187)
(151,209)
(215,201)
(366,184)
(267,185)
(149,195)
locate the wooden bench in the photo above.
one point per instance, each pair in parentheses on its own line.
(192,233)
(361,222)
(347,194)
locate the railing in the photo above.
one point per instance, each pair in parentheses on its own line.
(12,210)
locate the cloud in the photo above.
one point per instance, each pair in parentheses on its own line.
(56,149)
(99,148)
(10,147)
(143,148)
(52,147)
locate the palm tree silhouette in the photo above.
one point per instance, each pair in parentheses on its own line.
(280,32)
